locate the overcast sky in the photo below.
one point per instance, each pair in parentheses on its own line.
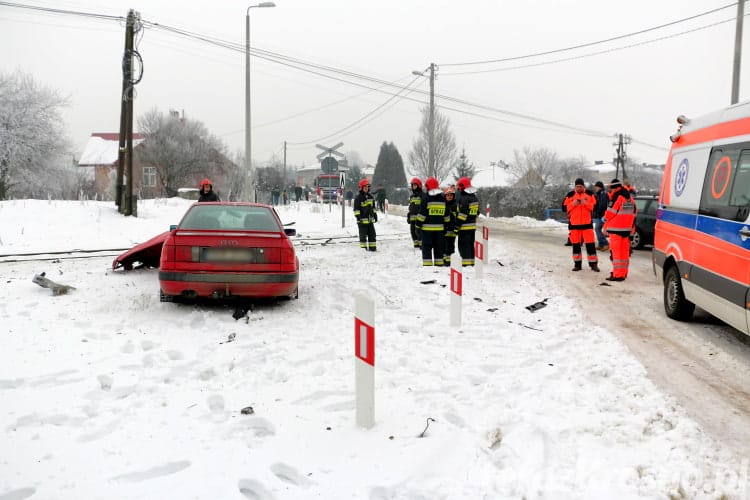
(637,91)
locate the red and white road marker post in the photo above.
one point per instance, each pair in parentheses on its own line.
(364,359)
(486,243)
(479,259)
(456,292)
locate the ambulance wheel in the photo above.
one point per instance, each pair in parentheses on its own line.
(675,304)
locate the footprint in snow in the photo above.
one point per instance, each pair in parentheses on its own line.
(290,475)
(253,490)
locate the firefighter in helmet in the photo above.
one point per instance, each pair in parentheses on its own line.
(366,215)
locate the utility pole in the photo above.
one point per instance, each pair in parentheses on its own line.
(127,72)
(737,52)
(289,195)
(431,153)
(622,141)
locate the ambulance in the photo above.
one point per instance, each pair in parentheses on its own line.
(702,233)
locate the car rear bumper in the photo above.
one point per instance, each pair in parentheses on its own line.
(227,284)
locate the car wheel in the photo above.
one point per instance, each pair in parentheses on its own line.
(675,304)
(637,241)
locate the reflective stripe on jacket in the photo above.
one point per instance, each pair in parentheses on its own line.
(364,208)
(433,214)
(620,215)
(468,209)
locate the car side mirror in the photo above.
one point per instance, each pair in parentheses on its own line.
(172,227)
(290,231)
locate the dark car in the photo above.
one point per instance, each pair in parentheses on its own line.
(228,250)
(645,220)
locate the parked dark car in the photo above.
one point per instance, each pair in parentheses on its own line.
(224,250)
(645,220)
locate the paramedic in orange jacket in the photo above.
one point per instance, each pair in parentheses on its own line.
(618,224)
(579,204)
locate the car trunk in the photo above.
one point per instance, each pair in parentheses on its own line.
(229,251)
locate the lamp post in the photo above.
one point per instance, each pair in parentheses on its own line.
(431,124)
(249,180)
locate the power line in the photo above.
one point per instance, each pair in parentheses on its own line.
(589,44)
(591,54)
(305,66)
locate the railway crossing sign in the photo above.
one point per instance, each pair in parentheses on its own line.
(329,151)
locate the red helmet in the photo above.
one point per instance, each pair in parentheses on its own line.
(206,182)
(463,183)
(416,181)
(431,183)
(363,183)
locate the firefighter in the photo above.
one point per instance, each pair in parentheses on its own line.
(207,191)
(431,220)
(619,222)
(450,228)
(366,215)
(415,203)
(466,220)
(579,204)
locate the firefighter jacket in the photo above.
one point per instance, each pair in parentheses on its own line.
(452,208)
(364,208)
(579,207)
(415,203)
(468,209)
(620,215)
(433,214)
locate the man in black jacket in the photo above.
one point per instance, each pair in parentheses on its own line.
(597,215)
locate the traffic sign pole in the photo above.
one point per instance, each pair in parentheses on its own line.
(342,183)
(364,359)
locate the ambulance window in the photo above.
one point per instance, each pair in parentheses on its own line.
(741,188)
(717,183)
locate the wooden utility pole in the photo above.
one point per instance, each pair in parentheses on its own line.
(622,141)
(431,150)
(127,70)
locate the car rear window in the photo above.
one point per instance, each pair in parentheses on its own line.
(230,218)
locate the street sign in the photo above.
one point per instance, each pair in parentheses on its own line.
(329,165)
(342,180)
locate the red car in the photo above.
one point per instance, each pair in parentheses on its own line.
(228,250)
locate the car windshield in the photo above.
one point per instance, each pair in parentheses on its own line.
(230,217)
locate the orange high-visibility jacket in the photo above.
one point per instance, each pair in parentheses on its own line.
(579,207)
(620,215)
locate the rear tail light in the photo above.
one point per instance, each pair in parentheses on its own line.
(288,260)
(167,254)
(185,254)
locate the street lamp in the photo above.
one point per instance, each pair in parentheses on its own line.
(431,125)
(249,181)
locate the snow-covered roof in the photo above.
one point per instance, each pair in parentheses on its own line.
(491,177)
(102,149)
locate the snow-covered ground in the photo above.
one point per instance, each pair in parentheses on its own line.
(108,393)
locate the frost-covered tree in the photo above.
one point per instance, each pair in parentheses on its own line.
(534,167)
(444,147)
(463,167)
(181,149)
(35,158)
(389,170)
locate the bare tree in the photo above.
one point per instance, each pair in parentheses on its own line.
(181,149)
(34,151)
(534,167)
(570,169)
(444,147)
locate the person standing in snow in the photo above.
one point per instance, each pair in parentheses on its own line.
(431,220)
(619,224)
(598,215)
(450,229)
(366,215)
(207,192)
(415,203)
(466,220)
(579,204)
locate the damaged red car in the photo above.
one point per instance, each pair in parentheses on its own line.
(228,250)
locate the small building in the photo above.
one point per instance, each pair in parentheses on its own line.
(100,156)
